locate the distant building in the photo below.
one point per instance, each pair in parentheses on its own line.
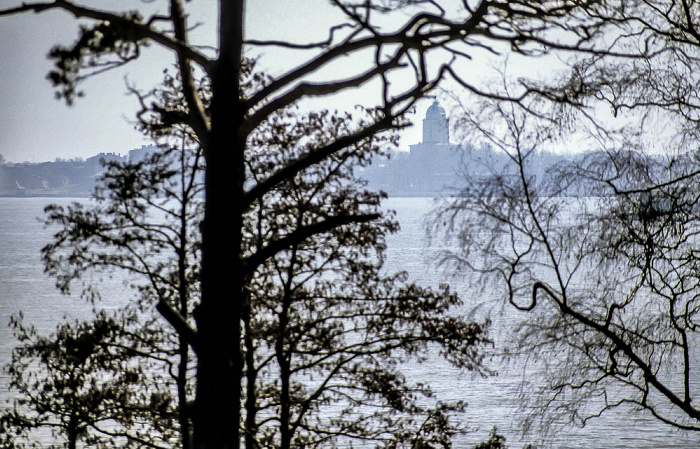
(436,126)
(96,163)
(63,177)
(431,168)
(143,153)
(434,164)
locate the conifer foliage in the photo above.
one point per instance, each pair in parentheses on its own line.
(324,330)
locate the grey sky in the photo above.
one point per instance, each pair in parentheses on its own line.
(34,126)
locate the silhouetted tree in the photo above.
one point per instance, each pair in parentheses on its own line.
(324,333)
(124,376)
(407,61)
(92,383)
(495,441)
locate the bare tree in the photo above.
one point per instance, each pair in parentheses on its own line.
(608,281)
(609,285)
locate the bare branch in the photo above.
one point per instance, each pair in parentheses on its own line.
(309,46)
(198,119)
(178,322)
(314,90)
(300,234)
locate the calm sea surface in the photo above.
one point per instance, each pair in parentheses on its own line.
(492,401)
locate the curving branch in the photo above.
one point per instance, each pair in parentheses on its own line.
(409,36)
(313,45)
(300,234)
(198,119)
(314,157)
(316,90)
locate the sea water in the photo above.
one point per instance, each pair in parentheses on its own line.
(493,401)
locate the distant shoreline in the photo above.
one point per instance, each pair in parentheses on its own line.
(46,195)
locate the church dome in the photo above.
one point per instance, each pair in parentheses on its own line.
(435,111)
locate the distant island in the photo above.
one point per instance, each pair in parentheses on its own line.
(63,177)
(433,167)
(436,167)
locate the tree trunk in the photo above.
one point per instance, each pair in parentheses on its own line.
(284,356)
(184,415)
(217,405)
(251,402)
(72,431)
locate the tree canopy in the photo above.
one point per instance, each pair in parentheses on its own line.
(412,46)
(324,333)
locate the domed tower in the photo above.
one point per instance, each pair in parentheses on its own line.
(436,127)
(433,163)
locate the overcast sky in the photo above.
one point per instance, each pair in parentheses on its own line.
(36,127)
